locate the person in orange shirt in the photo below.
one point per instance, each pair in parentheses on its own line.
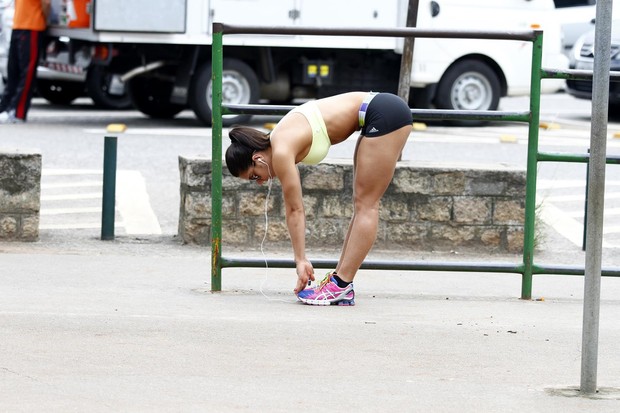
(29,24)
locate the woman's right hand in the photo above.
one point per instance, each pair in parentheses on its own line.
(305,273)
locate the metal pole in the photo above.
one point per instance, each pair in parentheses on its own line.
(532,165)
(109,188)
(216,158)
(406,60)
(585,207)
(596,197)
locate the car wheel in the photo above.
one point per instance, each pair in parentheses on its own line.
(239,86)
(150,94)
(98,82)
(468,85)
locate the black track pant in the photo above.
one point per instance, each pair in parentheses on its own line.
(22,72)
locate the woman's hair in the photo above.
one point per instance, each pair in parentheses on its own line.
(244,142)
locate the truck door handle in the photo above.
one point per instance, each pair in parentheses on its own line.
(293,14)
(435,9)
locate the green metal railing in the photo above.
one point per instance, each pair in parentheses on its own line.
(526,268)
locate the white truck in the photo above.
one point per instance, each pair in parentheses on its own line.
(157,52)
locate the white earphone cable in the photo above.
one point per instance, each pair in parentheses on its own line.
(262,243)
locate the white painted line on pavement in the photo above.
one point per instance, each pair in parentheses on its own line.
(67,197)
(86,225)
(568,183)
(133,203)
(201,132)
(62,211)
(578,197)
(566,226)
(609,212)
(59,172)
(83,184)
(611,229)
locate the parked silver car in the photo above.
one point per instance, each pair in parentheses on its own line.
(582,58)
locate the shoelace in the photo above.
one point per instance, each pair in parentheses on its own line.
(324,281)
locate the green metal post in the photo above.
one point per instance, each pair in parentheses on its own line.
(532,164)
(109,188)
(216,158)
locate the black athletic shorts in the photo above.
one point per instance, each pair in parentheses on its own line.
(384,114)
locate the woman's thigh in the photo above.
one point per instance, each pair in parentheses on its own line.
(375,160)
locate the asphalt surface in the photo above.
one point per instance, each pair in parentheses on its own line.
(131,325)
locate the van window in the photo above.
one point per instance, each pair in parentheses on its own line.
(573,3)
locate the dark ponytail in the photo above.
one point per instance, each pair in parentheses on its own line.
(244,142)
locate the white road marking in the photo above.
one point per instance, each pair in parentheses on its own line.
(566,226)
(576,197)
(134,205)
(568,183)
(564,221)
(202,132)
(82,184)
(611,229)
(62,211)
(85,225)
(132,201)
(71,197)
(62,172)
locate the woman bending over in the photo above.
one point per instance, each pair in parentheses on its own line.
(305,135)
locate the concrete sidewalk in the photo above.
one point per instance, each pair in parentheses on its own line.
(133,327)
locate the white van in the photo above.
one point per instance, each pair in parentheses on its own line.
(474,74)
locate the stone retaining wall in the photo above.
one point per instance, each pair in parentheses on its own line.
(20,195)
(426,207)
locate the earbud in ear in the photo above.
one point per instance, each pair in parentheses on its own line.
(267,165)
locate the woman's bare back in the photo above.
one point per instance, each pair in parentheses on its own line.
(340,114)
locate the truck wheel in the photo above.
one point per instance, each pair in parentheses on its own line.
(151,96)
(59,92)
(98,82)
(239,86)
(468,85)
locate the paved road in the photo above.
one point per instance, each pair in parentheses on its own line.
(131,325)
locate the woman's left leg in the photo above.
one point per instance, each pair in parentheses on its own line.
(374,162)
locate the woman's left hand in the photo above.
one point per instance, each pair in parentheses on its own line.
(305,273)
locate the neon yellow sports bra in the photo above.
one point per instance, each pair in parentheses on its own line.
(320,139)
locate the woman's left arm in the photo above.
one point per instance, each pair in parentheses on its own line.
(295,216)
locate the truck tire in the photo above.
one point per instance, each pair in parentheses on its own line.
(151,95)
(59,92)
(97,85)
(239,85)
(468,85)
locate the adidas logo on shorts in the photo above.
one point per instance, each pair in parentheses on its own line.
(373,130)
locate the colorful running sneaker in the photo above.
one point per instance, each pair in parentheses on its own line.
(328,293)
